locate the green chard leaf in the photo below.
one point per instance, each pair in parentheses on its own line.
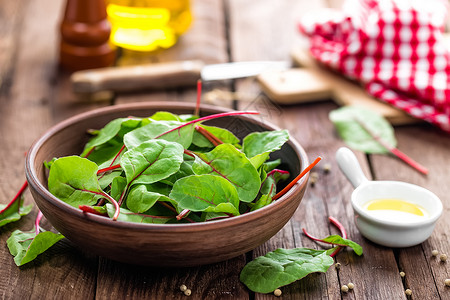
(282,267)
(262,201)
(164,116)
(104,154)
(258,145)
(160,130)
(141,198)
(208,193)
(152,161)
(185,170)
(26,246)
(14,211)
(339,240)
(113,128)
(118,186)
(155,215)
(74,180)
(347,121)
(231,164)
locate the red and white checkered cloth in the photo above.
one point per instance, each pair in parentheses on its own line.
(394,47)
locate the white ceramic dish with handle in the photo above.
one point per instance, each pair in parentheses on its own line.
(391,231)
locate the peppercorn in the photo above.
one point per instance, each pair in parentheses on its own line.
(447,282)
(277,292)
(183,288)
(351,286)
(402,274)
(188,292)
(337,266)
(443,257)
(327,168)
(408,292)
(344,288)
(434,253)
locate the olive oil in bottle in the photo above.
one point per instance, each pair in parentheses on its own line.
(147,25)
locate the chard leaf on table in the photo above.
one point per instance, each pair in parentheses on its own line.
(229,163)
(152,161)
(161,131)
(14,211)
(208,193)
(339,240)
(155,215)
(74,180)
(346,120)
(26,246)
(282,267)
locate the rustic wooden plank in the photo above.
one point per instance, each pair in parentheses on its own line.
(425,275)
(9,10)
(205,282)
(63,271)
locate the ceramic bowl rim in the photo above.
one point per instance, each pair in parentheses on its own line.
(432,219)
(35,183)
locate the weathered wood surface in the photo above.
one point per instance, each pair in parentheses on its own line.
(35,94)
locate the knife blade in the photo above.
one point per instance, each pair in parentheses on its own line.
(166,75)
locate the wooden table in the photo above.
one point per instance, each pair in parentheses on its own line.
(35,94)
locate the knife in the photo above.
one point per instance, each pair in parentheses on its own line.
(166,75)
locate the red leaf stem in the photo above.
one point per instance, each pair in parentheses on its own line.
(37,221)
(211,137)
(277,171)
(110,168)
(89,209)
(189,152)
(114,159)
(199,96)
(391,149)
(183,214)
(341,228)
(16,197)
(210,117)
(89,152)
(174,210)
(110,199)
(291,184)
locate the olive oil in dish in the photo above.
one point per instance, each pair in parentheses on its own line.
(395,210)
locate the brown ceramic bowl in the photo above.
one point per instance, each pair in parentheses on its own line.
(160,244)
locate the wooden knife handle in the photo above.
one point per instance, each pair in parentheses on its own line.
(131,78)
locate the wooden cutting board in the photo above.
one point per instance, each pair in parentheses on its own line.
(309,81)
